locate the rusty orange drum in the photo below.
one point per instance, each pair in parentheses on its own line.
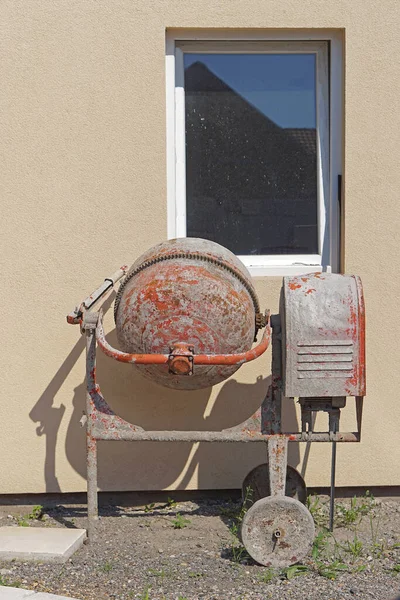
(190,292)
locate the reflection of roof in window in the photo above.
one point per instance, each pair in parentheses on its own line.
(288,105)
(256,179)
(305,137)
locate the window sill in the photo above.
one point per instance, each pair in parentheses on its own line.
(284,270)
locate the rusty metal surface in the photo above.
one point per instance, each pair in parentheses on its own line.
(75,317)
(277,446)
(180,360)
(271,408)
(91,443)
(194,316)
(167,359)
(194,292)
(106,429)
(324,343)
(332,406)
(278,531)
(191,249)
(104,424)
(258,482)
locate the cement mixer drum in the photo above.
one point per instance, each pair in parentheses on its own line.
(190,291)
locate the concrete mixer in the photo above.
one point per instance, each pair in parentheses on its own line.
(187,316)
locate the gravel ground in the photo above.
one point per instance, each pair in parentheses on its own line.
(187,551)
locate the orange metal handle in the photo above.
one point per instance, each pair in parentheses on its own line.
(198,359)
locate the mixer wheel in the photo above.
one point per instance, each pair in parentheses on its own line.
(277,531)
(258,482)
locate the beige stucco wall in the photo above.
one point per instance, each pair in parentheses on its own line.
(83,189)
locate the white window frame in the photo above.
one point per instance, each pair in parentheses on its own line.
(328,48)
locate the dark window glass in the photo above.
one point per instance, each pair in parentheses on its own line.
(251,168)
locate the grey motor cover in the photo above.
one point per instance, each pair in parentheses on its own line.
(323,335)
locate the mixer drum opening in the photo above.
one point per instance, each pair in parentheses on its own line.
(189,291)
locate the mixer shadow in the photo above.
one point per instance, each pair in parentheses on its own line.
(149,466)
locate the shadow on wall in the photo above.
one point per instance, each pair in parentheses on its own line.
(149,465)
(49,417)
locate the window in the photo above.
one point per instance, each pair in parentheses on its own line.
(254,149)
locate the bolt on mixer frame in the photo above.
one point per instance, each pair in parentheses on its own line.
(277,529)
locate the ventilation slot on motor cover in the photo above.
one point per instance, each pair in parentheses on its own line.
(318,359)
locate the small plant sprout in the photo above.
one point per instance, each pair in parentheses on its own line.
(4,582)
(106,567)
(320,543)
(162,573)
(295,571)
(36,513)
(396,569)
(149,507)
(146,593)
(359,507)
(267,576)
(354,547)
(331,570)
(318,511)
(180,522)
(239,552)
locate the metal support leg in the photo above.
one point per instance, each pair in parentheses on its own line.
(271,410)
(91,442)
(334,419)
(277,462)
(332,498)
(91,449)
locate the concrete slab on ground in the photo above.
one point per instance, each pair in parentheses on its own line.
(10,593)
(46,544)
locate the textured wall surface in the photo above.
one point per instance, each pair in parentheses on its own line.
(83,189)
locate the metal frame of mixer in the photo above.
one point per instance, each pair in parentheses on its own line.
(265,426)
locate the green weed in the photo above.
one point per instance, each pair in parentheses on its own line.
(396,569)
(295,571)
(267,576)
(318,511)
(149,507)
(146,593)
(359,569)
(238,551)
(36,513)
(359,507)
(4,582)
(320,543)
(106,567)
(355,547)
(180,522)
(331,570)
(162,573)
